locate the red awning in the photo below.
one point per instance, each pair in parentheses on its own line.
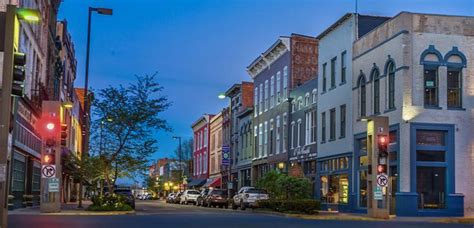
(214,182)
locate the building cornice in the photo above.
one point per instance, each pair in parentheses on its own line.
(280,47)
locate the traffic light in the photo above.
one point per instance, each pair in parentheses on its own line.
(19,61)
(382,144)
(63,134)
(381,168)
(49,159)
(49,127)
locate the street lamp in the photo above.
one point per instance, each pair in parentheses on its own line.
(179,155)
(221,96)
(103,11)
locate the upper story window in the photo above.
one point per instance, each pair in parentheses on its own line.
(272,91)
(293,106)
(390,72)
(285,82)
(300,103)
(455,62)
(375,75)
(361,82)
(278,88)
(324,77)
(306,100)
(333,72)
(343,67)
(314,94)
(205,137)
(255,111)
(260,99)
(431,59)
(266,95)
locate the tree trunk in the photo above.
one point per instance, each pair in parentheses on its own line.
(107,177)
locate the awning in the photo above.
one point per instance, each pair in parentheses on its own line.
(196,182)
(213,182)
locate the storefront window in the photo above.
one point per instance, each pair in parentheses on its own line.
(335,189)
(364,160)
(35,187)
(431,138)
(18,182)
(363,188)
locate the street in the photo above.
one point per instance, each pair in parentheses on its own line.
(171,215)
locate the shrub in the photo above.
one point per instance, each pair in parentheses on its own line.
(109,203)
(282,186)
(306,206)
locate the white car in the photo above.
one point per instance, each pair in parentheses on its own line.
(189,196)
(248,197)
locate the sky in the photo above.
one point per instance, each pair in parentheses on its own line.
(200,48)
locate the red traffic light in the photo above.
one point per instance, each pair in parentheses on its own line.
(383,139)
(381,168)
(48,126)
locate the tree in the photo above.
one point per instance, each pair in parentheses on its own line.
(128,118)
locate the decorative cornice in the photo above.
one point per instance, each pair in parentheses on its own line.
(280,47)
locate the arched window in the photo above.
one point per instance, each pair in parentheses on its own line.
(455,61)
(431,59)
(314,95)
(375,75)
(390,72)
(306,100)
(362,95)
(300,103)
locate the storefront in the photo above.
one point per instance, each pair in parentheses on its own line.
(334,182)
(432,177)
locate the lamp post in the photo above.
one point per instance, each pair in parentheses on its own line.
(85,144)
(180,166)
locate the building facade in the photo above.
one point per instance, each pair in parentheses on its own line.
(201,147)
(417,69)
(335,146)
(215,151)
(303,131)
(241,143)
(289,62)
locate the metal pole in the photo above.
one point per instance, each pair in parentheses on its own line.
(101,186)
(180,165)
(85,141)
(5,105)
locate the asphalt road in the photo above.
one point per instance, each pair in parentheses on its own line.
(157,214)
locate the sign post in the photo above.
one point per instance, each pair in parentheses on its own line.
(51,158)
(377,178)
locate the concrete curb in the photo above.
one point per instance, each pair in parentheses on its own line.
(78,213)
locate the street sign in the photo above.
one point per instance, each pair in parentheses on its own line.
(225,155)
(53,184)
(48,171)
(378,193)
(382,180)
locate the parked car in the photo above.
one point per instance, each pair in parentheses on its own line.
(189,196)
(201,197)
(217,197)
(248,197)
(128,195)
(177,197)
(170,198)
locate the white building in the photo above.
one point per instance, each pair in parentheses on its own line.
(335,146)
(418,70)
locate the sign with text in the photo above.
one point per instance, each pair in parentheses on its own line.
(378,193)
(53,184)
(225,155)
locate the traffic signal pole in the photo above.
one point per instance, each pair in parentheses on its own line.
(378,189)
(5,107)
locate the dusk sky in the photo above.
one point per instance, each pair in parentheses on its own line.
(201,47)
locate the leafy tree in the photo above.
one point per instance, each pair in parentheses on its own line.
(128,117)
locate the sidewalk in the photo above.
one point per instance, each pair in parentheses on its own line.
(67,209)
(325,215)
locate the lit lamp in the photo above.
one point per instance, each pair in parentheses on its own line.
(281,165)
(30,15)
(221,96)
(67,105)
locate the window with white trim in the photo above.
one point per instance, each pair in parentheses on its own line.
(256,101)
(292,138)
(266,96)
(285,82)
(277,147)
(260,109)
(278,88)
(272,91)
(285,132)
(265,140)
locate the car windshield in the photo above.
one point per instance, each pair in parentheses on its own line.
(256,191)
(193,192)
(219,192)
